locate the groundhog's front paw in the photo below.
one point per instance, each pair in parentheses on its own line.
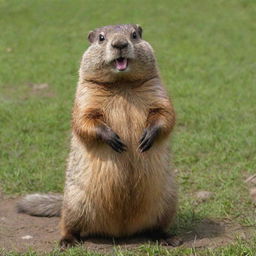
(112,139)
(148,137)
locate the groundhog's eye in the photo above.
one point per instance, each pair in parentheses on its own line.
(134,35)
(101,37)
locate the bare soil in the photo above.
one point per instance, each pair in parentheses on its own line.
(20,232)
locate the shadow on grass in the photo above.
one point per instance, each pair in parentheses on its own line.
(188,227)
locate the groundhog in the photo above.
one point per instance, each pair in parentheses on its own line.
(118,179)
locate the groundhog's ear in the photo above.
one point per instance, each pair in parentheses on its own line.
(139,29)
(91,36)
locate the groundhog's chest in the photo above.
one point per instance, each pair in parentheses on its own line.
(126,114)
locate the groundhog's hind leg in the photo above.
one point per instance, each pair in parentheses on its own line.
(69,240)
(70,232)
(161,231)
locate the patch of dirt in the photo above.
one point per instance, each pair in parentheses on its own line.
(42,90)
(203,196)
(15,94)
(251,184)
(19,232)
(15,228)
(251,180)
(253,194)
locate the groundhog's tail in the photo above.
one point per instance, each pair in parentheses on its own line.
(44,205)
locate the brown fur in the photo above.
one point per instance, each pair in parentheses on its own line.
(106,192)
(118,178)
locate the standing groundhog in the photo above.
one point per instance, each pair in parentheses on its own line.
(118,179)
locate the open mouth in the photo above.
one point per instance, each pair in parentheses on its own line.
(121,64)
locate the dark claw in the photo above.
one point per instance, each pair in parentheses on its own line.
(117,146)
(112,139)
(147,138)
(66,243)
(146,146)
(143,136)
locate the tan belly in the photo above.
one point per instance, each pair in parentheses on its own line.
(124,199)
(123,193)
(127,117)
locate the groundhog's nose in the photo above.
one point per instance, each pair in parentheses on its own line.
(119,44)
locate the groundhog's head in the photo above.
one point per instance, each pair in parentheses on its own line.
(118,53)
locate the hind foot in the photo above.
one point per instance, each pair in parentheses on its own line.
(171,241)
(68,241)
(164,238)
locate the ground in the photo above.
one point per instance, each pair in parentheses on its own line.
(20,233)
(206,52)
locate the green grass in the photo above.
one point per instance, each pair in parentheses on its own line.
(240,248)
(207,56)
